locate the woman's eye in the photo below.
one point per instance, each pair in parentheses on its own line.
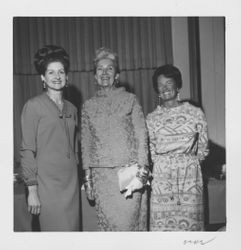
(161,86)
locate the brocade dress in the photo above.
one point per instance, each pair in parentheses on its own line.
(178,142)
(114,134)
(49,160)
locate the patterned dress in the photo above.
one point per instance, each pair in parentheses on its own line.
(113,133)
(178,142)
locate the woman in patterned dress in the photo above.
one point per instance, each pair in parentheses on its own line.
(113,134)
(178,143)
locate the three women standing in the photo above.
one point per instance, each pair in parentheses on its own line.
(113,135)
(48,151)
(178,143)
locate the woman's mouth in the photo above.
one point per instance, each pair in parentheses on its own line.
(166,92)
(105,78)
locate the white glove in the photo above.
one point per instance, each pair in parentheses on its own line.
(134,185)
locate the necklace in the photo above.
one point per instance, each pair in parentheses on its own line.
(59,103)
(173,106)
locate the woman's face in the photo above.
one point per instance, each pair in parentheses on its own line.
(167,88)
(55,76)
(105,73)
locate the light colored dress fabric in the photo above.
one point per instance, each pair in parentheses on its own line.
(113,134)
(49,159)
(178,142)
(114,211)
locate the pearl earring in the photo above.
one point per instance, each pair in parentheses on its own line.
(66,83)
(178,97)
(116,81)
(159,100)
(44,84)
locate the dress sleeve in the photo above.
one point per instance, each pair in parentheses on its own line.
(85,139)
(152,138)
(202,150)
(76,138)
(140,133)
(29,126)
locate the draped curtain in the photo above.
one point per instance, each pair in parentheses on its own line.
(142,44)
(194,58)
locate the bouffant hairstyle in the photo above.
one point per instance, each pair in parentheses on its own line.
(105,53)
(168,71)
(48,54)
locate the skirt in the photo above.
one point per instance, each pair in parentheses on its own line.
(114,211)
(176,202)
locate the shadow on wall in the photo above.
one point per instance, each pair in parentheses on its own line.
(212,165)
(73,95)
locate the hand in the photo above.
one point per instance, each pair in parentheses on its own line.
(89,190)
(33,200)
(143,174)
(144,171)
(88,185)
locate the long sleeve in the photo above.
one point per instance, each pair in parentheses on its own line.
(152,139)
(203,150)
(29,125)
(85,139)
(76,139)
(140,133)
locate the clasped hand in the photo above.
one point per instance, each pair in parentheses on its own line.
(88,185)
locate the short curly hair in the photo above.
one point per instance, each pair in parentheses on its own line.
(105,53)
(168,71)
(48,54)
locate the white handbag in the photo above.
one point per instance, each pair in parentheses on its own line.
(128,180)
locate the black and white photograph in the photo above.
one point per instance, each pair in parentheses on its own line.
(121,93)
(121,131)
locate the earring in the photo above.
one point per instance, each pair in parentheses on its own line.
(178,96)
(95,82)
(66,83)
(159,100)
(44,84)
(116,81)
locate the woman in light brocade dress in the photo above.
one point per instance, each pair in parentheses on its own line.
(113,134)
(178,143)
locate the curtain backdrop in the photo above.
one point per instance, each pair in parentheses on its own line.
(142,44)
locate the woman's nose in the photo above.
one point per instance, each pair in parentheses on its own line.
(57,75)
(162,88)
(104,71)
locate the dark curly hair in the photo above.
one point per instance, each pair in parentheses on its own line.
(168,71)
(48,54)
